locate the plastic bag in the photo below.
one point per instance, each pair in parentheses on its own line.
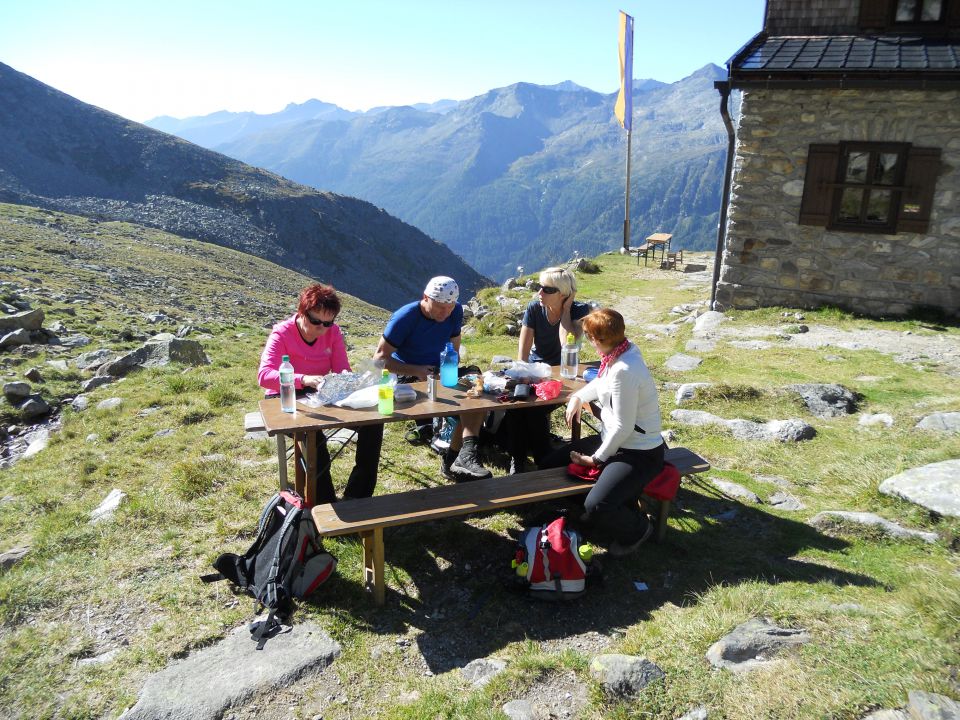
(339,386)
(526,372)
(548,389)
(402,392)
(362,398)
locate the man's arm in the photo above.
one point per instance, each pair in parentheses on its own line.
(383,357)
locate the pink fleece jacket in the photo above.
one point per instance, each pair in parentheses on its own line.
(327,354)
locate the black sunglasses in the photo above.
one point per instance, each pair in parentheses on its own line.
(547,290)
(325,323)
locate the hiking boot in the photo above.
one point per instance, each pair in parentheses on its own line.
(445,467)
(617,549)
(468,466)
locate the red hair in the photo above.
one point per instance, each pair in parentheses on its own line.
(606,326)
(319,297)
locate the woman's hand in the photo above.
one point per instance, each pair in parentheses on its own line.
(312,381)
(581,459)
(572,413)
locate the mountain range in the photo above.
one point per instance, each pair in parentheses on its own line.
(58,152)
(521,175)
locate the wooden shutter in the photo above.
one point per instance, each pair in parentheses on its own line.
(818,185)
(923,166)
(875,14)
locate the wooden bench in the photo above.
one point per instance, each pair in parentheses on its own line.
(369,516)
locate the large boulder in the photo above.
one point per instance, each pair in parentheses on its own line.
(826,400)
(156,353)
(935,486)
(27,320)
(753,644)
(624,676)
(942,422)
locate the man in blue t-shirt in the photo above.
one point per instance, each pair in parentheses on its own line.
(411,345)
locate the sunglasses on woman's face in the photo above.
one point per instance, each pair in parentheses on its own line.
(547,290)
(325,323)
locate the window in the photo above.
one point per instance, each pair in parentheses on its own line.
(869,187)
(918,11)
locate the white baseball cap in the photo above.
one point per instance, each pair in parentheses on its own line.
(442,289)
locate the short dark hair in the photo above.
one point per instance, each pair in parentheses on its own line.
(318,297)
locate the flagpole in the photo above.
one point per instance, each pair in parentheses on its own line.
(626,204)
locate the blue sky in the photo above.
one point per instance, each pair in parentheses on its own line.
(182,58)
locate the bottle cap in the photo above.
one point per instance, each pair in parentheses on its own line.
(570,339)
(285,358)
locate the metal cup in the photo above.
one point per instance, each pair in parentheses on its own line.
(431,387)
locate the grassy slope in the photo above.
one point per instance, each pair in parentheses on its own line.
(131,584)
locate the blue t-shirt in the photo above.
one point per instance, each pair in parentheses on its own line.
(546,337)
(418,339)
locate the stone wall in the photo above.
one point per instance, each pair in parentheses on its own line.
(769,259)
(811,17)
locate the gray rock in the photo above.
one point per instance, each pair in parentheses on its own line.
(75,341)
(80,403)
(700,345)
(935,486)
(93,359)
(205,684)
(28,320)
(734,490)
(16,392)
(101,659)
(698,713)
(165,432)
(869,420)
(9,558)
(95,382)
(624,675)
(830,517)
(696,417)
(33,375)
(15,338)
(256,435)
(479,672)
(519,710)
(156,353)
(785,501)
(253,421)
(753,644)
(91,438)
(108,507)
(33,407)
(825,400)
(60,365)
(688,391)
(773,480)
(943,422)
(930,706)
(39,442)
(110,403)
(887,715)
(708,322)
(681,362)
(793,430)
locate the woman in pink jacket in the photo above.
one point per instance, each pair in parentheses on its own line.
(314,343)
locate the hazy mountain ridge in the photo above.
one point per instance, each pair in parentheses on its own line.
(56,151)
(524,174)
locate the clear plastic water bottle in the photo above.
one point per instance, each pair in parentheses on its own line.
(570,358)
(449,365)
(288,388)
(385,394)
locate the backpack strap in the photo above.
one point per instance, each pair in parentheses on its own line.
(268,594)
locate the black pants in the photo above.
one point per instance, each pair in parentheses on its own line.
(611,509)
(363,477)
(528,432)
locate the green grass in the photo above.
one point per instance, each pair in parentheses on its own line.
(131,584)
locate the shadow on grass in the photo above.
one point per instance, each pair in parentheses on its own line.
(457,587)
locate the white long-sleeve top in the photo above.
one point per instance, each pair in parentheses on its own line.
(627,395)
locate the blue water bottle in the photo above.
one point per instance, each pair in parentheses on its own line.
(449,364)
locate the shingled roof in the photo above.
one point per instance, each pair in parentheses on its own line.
(847,61)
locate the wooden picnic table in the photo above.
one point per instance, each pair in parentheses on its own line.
(306,424)
(654,242)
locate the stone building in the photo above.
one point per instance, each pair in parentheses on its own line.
(843,187)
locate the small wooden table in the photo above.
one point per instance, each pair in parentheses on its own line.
(653,242)
(305,425)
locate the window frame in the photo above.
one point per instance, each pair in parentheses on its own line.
(917,19)
(868,187)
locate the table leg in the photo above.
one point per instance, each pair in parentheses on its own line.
(282,461)
(299,464)
(373,564)
(310,486)
(575,428)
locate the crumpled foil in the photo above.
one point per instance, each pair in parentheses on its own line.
(336,387)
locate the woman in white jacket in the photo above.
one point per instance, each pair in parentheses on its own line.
(629,449)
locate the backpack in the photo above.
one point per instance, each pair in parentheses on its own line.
(285,561)
(553,562)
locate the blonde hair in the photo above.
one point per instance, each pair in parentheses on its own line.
(560,278)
